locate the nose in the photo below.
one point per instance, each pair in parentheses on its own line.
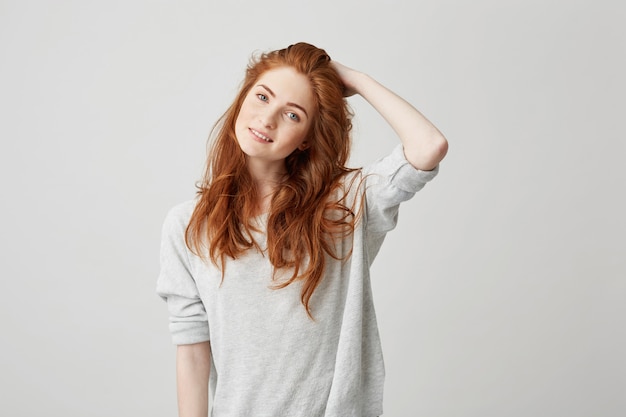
(268,118)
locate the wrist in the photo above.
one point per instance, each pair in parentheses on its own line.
(359,81)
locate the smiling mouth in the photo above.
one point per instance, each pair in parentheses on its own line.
(261,136)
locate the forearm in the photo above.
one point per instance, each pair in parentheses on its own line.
(424,145)
(193,363)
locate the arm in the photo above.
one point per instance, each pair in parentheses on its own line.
(193,363)
(424,145)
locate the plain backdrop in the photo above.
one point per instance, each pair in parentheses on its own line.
(501,293)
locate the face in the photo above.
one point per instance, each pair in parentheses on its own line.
(275,117)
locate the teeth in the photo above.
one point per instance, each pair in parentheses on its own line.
(261,136)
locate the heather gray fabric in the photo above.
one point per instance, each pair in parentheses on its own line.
(269,359)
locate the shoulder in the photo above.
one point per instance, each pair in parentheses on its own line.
(183,209)
(178,216)
(351,183)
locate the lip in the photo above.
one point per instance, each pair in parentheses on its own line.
(259,139)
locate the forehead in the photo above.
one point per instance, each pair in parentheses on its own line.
(289,86)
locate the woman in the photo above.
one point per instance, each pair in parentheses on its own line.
(266,273)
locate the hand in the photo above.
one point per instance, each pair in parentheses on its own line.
(348,78)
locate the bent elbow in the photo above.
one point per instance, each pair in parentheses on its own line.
(440,148)
(429,155)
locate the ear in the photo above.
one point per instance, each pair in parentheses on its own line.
(304,146)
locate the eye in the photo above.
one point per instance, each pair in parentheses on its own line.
(262,97)
(293,116)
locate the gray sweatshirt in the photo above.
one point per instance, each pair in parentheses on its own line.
(269,359)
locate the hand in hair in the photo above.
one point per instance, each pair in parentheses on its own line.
(347,76)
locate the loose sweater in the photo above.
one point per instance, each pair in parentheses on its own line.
(268,357)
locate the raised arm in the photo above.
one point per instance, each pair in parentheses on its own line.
(193,363)
(424,145)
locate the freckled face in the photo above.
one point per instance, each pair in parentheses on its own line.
(275,116)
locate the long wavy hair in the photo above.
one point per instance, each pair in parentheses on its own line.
(309,212)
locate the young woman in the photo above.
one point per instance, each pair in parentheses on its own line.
(266,272)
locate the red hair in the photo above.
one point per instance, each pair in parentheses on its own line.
(308,212)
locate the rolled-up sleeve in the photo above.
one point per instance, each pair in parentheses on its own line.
(388,182)
(176,283)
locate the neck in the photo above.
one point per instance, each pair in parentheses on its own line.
(267,178)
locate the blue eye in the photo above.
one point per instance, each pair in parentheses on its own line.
(293,116)
(262,97)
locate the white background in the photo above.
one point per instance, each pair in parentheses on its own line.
(501,293)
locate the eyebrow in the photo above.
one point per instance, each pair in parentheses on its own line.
(289,103)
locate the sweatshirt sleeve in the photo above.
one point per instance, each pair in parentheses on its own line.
(176,284)
(389,182)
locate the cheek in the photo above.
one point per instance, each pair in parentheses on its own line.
(296,135)
(243,117)
(304,132)
(245,110)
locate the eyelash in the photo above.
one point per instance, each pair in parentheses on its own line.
(291,115)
